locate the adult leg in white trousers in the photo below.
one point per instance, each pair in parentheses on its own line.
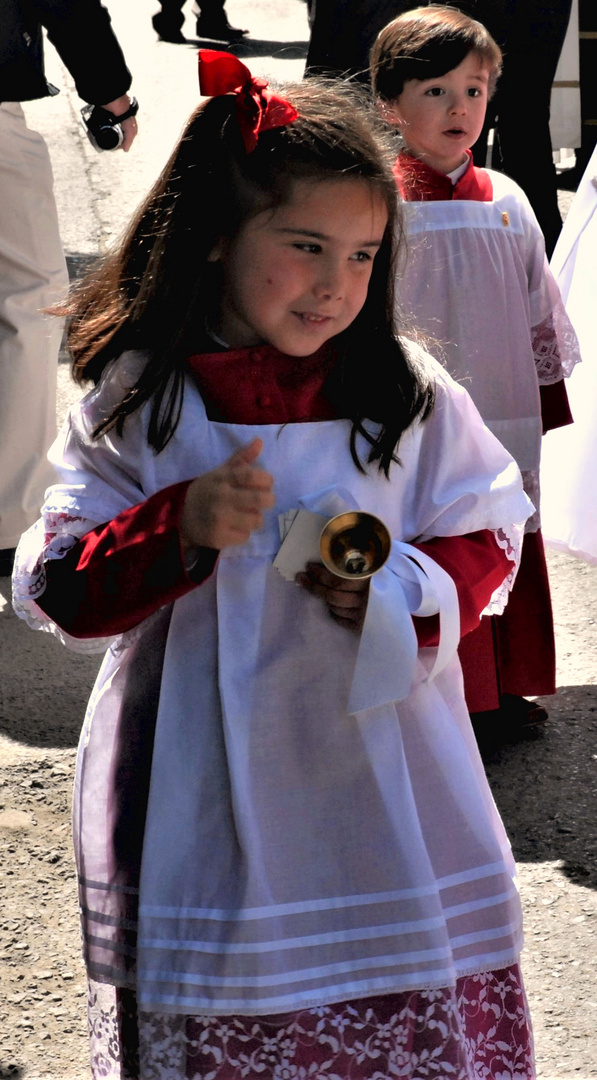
(33,276)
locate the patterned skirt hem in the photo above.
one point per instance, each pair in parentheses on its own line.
(478,1029)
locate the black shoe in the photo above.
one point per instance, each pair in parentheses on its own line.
(7,559)
(166,30)
(522,713)
(218,29)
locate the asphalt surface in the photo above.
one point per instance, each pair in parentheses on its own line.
(545,784)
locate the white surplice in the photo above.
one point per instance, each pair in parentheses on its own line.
(270,812)
(477,280)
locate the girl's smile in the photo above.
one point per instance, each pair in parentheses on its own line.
(297,275)
(441,118)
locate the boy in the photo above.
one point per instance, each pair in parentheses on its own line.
(478,281)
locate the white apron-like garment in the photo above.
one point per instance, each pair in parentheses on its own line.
(570,454)
(476,280)
(273,813)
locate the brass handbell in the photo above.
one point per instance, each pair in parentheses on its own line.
(354,544)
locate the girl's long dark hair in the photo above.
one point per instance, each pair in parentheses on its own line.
(156,291)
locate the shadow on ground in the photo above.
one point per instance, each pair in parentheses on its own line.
(79,264)
(44,687)
(10,1072)
(545,785)
(248,47)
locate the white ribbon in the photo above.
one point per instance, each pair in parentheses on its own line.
(410,583)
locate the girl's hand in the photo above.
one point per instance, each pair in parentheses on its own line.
(346,598)
(225,505)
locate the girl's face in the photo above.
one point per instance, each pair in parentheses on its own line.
(298,275)
(441,118)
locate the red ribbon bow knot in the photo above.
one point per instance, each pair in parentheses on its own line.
(257,108)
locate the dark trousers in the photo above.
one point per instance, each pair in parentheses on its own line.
(531,32)
(172,10)
(531,35)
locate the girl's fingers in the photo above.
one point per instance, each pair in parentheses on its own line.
(322,576)
(345,620)
(246,455)
(250,477)
(343,600)
(247,500)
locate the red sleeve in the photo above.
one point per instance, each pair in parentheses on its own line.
(477,567)
(123,571)
(555,409)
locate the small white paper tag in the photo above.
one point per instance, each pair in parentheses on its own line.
(300,531)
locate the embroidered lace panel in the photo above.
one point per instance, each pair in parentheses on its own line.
(481,1028)
(555,347)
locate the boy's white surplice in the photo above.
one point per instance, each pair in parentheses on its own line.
(245,842)
(477,280)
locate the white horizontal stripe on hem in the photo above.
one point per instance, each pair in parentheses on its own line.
(463,876)
(488,961)
(303,975)
(307,941)
(322,995)
(300,907)
(510,930)
(477,905)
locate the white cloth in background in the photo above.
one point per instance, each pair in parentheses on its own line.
(568,469)
(33,276)
(293,853)
(476,279)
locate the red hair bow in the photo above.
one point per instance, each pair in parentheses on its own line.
(257,108)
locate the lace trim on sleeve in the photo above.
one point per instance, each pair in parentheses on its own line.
(509,539)
(51,538)
(555,346)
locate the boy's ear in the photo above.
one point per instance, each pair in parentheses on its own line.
(390,112)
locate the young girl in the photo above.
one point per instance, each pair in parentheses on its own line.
(290,863)
(477,280)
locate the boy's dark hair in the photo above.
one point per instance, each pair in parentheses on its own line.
(156,291)
(428,42)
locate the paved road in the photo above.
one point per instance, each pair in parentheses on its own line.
(546,787)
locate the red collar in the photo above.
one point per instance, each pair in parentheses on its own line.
(418,182)
(261,385)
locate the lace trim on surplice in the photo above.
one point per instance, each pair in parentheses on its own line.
(555,347)
(509,540)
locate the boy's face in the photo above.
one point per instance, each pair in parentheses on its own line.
(441,118)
